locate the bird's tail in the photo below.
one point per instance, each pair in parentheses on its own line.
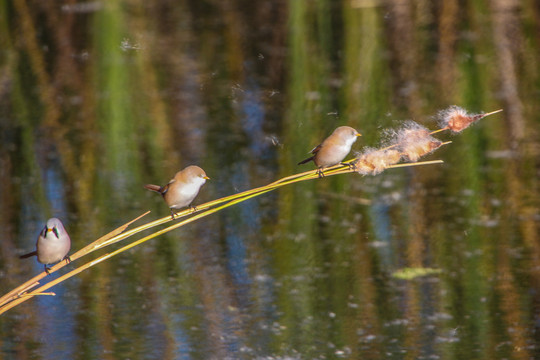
(306,160)
(151,187)
(33,253)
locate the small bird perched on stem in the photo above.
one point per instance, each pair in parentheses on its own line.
(333,149)
(52,245)
(182,188)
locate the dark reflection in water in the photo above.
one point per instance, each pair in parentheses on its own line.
(98,98)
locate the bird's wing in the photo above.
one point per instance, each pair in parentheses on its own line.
(313,151)
(316,149)
(165,188)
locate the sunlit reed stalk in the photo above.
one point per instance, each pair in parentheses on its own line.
(118,234)
(40,291)
(23,293)
(86,250)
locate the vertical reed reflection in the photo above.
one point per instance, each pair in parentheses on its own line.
(111,95)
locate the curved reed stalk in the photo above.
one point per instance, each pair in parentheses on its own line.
(23,292)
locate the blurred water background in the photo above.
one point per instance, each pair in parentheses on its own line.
(98,98)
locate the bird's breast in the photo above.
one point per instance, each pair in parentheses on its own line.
(182,195)
(331,155)
(51,249)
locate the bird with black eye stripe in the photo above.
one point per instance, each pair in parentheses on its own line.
(53,244)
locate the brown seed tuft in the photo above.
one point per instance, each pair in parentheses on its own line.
(457,119)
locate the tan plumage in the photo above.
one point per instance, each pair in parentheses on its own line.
(182,189)
(333,149)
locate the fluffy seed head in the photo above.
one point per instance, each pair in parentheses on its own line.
(415,150)
(373,162)
(457,119)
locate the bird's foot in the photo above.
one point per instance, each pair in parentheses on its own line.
(320,173)
(351,165)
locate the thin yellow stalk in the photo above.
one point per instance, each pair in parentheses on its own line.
(40,294)
(20,294)
(292,177)
(24,297)
(415,164)
(35,280)
(491,113)
(437,131)
(308,175)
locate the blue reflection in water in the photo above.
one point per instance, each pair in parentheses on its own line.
(236,249)
(54,194)
(182,338)
(54,191)
(252,121)
(245,218)
(379,211)
(58,333)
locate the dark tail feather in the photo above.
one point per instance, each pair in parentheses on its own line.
(153,188)
(306,160)
(33,253)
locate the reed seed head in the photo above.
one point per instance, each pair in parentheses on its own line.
(413,141)
(373,162)
(416,149)
(457,119)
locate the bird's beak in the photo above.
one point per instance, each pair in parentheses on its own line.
(206,177)
(358,134)
(49,229)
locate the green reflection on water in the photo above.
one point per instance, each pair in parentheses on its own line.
(128,93)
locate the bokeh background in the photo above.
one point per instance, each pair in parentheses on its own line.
(98,98)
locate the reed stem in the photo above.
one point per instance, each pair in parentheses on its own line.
(23,292)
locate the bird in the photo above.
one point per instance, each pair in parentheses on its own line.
(333,149)
(53,244)
(182,189)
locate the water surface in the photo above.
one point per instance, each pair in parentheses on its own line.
(98,98)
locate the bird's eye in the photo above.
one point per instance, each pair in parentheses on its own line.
(55,231)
